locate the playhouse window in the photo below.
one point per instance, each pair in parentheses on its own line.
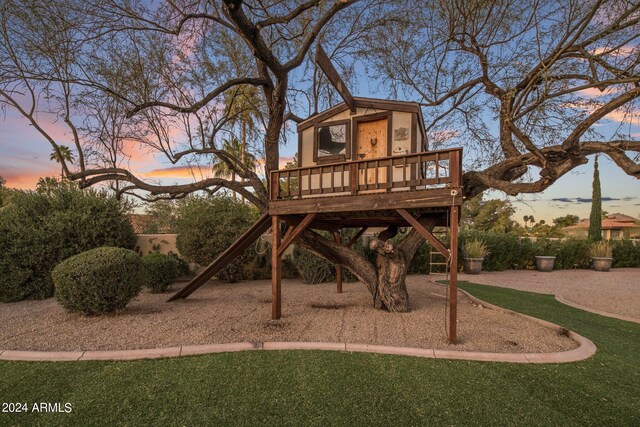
(332,142)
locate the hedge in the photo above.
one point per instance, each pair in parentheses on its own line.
(38,231)
(510,251)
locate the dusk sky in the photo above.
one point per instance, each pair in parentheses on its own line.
(24,157)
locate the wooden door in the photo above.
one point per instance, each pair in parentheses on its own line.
(371,144)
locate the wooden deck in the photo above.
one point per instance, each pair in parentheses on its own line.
(369,192)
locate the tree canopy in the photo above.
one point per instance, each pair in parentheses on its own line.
(566,221)
(488,215)
(520,84)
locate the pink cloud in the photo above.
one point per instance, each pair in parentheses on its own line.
(620,115)
(180,172)
(621,51)
(26,178)
(592,92)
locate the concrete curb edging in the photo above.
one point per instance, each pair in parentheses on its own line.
(585,350)
(593,310)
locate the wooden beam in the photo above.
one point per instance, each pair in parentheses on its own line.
(276,270)
(323,61)
(295,233)
(338,238)
(288,231)
(453,277)
(435,198)
(356,237)
(316,224)
(424,232)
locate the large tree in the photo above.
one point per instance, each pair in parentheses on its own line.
(488,215)
(156,74)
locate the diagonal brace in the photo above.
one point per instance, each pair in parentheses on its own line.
(356,237)
(295,233)
(424,232)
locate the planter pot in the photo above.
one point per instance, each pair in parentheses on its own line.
(473,265)
(545,263)
(601,263)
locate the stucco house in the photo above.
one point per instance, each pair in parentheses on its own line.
(614,227)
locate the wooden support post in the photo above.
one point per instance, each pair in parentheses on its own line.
(276,270)
(338,238)
(453,276)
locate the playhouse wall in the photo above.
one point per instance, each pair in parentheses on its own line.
(401,143)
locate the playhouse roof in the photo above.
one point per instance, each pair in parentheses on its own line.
(371,103)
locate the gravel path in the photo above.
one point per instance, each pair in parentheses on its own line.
(221,313)
(616,291)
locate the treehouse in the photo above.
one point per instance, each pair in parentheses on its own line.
(374,130)
(363,163)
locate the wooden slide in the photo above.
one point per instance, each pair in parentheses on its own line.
(225,258)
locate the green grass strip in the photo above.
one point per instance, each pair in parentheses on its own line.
(320,388)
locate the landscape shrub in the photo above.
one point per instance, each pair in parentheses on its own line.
(421,262)
(159,271)
(509,251)
(39,230)
(183,266)
(98,281)
(312,268)
(207,226)
(572,253)
(506,251)
(259,265)
(625,253)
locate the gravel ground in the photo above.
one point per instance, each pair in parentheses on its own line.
(616,291)
(220,313)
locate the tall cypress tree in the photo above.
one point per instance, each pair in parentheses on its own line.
(595,219)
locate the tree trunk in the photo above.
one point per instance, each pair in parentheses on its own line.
(391,287)
(233,178)
(386,279)
(243,147)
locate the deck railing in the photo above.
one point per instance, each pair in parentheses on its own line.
(418,171)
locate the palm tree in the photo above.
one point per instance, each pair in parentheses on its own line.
(233,147)
(63,154)
(46,185)
(242,104)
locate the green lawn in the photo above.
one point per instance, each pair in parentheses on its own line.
(319,388)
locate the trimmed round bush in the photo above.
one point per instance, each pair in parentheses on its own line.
(98,281)
(39,230)
(159,271)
